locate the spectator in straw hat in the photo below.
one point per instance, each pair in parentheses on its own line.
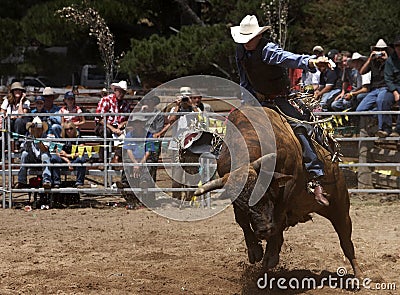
(378,90)
(352,83)
(53,120)
(15,103)
(359,85)
(155,125)
(392,79)
(137,152)
(309,78)
(35,151)
(262,67)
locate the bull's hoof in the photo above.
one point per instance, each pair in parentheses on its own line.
(270,261)
(255,253)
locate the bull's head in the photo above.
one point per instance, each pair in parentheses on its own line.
(260,212)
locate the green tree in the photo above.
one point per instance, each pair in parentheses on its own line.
(180,55)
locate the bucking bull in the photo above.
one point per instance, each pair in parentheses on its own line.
(286,201)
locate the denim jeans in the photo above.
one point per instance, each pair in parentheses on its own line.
(80,170)
(55,129)
(385,103)
(341,104)
(378,99)
(28,158)
(327,97)
(311,162)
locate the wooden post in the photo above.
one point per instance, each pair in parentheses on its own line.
(364,173)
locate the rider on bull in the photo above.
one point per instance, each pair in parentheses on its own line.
(262,67)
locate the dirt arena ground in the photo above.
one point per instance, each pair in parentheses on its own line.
(112,250)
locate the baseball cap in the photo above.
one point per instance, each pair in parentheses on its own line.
(69,94)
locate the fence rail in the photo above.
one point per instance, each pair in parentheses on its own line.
(107,174)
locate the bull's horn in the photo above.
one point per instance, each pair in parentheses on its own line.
(210,186)
(257,163)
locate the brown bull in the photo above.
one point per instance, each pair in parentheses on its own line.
(286,201)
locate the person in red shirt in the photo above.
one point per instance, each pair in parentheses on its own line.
(71,108)
(113,103)
(116,104)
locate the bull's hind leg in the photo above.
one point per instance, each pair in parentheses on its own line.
(274,244)
(254,247)
(338,214)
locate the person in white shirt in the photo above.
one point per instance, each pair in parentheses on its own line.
(14,104)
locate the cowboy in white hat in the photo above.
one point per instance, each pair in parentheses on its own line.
(378,93)
(35,151)
(195,98)
(54,121)
(113,103)
(359,85)
(262,67)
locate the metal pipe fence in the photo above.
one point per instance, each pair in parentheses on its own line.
(107,174)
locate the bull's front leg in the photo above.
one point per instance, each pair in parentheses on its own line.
(272,250)
(254,246)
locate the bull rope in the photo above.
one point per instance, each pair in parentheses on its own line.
(302,121)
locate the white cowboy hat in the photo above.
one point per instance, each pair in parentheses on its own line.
(247,29)
(356,56)
(48,91)
(37,123)
(318,48)
(185,90)
(121,84)
(381,44)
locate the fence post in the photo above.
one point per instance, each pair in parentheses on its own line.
(364,173)
(3,159)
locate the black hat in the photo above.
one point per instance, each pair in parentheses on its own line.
(331,54)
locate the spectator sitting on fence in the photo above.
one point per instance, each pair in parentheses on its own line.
(328,86)
(312,79)
(357,93)
(35,151)
(71,108)
(53,121)
(69,155)
(15,103)
(379,90)
(39,107)
(357,84)
(392,78)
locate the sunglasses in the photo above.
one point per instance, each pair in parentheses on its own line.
(69,129)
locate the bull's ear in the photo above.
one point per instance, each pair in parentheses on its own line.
(268,160)
(212,185)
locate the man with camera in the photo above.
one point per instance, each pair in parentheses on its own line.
(179,125)
(378,89)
